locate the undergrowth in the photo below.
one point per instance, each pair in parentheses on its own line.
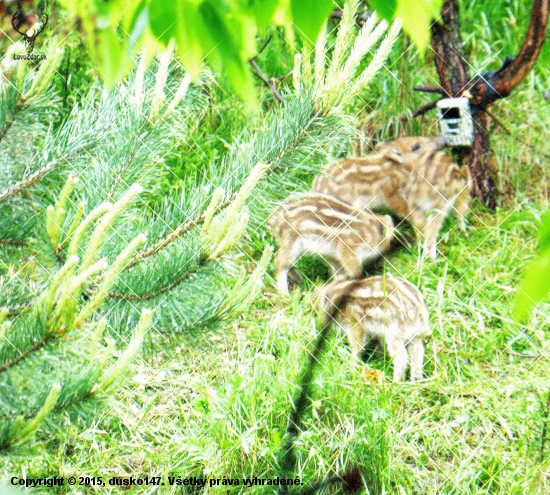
(215,405)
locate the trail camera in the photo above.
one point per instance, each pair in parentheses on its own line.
(455,121)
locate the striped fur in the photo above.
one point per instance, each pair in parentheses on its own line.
(437,185)
(422,187)
(411,144)
(366,182)
(385,308)
(407,144)
(326,226)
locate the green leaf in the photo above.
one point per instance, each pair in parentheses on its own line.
(417,17)
(111,54)
(135,21)
(209,29)
(309,16)
(215,18)
(133,11)
(180,20)
(534,287)
(263,11)
(544,233)
(535,284)
(106,8)
(162,19)
(228,50)
(385,8)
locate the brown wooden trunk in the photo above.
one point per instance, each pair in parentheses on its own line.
(483,90)
(454,78)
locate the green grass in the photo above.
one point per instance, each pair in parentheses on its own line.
(216,404)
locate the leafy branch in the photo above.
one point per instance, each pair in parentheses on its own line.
(222,33)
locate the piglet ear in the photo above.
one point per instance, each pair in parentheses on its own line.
(380,147)
(389,152)
(395,155)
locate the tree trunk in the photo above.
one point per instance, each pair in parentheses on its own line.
(483,89)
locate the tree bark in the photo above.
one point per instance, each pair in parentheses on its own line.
(450,59)
(514,70)
(484,89)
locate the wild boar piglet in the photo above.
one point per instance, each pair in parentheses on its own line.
(367,182)
(389,309)
(418,184)
(326,226)
(378,178)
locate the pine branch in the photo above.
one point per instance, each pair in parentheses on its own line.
(343,80)
(162,290)
(26,183)
(21,337)
(10,122)
(13,242)
(25,353)
(275,155)
(85,382)
(219,233)
(120,174)
(175,234)
(15,310)
(187,269)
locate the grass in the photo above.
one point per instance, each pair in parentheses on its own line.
(214,404)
